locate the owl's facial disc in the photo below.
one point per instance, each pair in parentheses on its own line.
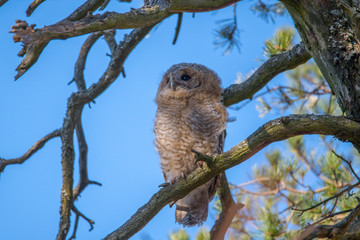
(183,80)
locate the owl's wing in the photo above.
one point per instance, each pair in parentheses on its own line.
(215,182)
(220,148)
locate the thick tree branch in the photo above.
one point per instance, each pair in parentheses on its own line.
(37,146)
(267,71)
(2,2)
(76,24)
(273,131)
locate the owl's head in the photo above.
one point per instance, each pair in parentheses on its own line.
(187,79)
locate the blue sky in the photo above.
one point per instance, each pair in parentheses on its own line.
(118,127)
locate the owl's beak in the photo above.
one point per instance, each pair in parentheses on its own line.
(172,84)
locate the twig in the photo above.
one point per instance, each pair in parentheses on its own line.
(347,189)
(37,146)
(330,215)
(348,163)
(335,231)
(73,236)
(110,39)
(80,62)
(33,6)
(103,6)
(78,213)
(177,29)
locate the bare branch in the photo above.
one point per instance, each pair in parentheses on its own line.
(33,6)
(336,231)
(229,209)
(347,189)
(110,39)
(76,24)
(74,108)
(348,163)
(37,146)
(177,29)
(273,131)
(80,63)
(88,7)
(2,2)
(267,71)
(73,236)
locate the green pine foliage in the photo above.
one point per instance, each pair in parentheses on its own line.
(281,42)
(303,182)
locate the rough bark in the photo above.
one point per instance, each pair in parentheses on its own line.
(330,31)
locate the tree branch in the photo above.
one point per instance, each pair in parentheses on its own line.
(336,231)
(2,2)
(274,65)
(37,146)
(229,209)
(89,6)
(273,131)
(33,6)
(73,113)
(82,22)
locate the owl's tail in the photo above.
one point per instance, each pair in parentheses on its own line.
(193,208)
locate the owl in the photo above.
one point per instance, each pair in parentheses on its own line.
(189,117)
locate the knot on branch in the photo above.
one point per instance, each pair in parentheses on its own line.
(25,34)
(21,30)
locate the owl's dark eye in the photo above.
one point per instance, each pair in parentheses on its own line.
(185,77)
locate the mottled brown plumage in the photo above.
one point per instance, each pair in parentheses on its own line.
(189,116)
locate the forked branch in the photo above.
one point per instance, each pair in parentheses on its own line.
(75,105)
(83,22)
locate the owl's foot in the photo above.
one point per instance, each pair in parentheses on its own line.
(183,176)
(200,164)
(200,157)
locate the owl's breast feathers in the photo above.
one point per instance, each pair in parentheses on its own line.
(182,124)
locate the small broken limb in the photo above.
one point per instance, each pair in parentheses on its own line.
(78,215)
(200,158)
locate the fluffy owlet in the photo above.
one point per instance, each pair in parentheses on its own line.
(189,116)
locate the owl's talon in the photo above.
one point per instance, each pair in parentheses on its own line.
(183,176)
(165,184)
(200,164)
(171,203)
(200,157)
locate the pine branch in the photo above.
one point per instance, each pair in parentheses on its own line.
(273,131)
(267,71)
